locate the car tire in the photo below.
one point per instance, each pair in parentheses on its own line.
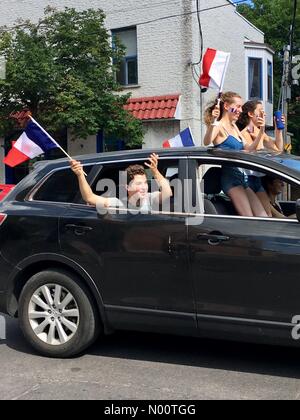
(57,315)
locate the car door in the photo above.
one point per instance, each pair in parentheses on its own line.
(244,269)
(138,261)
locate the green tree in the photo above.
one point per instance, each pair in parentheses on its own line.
(62,69)
(274,18)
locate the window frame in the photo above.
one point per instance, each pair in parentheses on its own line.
(40,184)
(215,161)
(191,162)
(260,97)
(97,167)
(181,172)
(127,58)
(270,93)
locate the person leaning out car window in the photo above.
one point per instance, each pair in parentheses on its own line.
(137,187)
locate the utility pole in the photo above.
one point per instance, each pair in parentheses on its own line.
(283,104)
(286,86)
(286,95)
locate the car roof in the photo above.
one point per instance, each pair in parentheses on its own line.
(144,153)
(276,161)
(280,161)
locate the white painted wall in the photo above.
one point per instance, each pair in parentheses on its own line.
(81,146)
(159,131)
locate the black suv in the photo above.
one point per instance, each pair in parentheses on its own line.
(70,273)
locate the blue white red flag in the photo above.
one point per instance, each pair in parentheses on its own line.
(34,142)
(183,139)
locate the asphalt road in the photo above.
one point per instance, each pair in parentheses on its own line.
(149,366)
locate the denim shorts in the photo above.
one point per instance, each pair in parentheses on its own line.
(231,178)
(255,184)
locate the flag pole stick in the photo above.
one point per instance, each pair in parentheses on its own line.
(54,141)
(222,86)
(50,137)
(215,123)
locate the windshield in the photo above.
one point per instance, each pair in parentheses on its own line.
(290,161)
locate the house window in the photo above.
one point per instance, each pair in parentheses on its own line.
(270,82)
(255,79)
(128,71)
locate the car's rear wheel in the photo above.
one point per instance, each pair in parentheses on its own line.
(57,314)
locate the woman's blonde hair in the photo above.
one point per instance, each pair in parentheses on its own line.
(227,97)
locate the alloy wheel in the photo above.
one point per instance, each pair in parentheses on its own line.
(53,314)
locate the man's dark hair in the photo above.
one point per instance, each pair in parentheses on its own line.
(134,170)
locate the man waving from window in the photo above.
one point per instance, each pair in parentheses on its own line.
(137,187)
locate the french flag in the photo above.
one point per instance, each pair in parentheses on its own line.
(34,142)
(215,64)
(183,139)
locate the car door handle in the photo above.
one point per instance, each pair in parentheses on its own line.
(78,229)
(213,238)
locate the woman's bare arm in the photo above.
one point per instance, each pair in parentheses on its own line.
(258,139)
(213,130)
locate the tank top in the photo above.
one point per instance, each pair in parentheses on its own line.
(231,143)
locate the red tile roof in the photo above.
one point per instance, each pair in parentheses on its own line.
(153,107)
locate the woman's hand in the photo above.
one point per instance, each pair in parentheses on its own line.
(76,168)
(216,112)
(261,121)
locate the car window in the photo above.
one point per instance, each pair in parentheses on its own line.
(111,182)
(271,189)
(60,187)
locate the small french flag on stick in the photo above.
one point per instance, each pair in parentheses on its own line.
(215,64)
(34,142)
(183,139)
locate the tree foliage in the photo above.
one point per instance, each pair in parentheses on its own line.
(62,69)
(274,18)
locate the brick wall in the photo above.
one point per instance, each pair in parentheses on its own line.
(165,47)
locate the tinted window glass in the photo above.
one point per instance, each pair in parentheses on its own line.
(255,78)
(132,71)
(270,82)
(61,187)
(127,73)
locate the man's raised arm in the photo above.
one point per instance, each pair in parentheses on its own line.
(86,192)
(163,183)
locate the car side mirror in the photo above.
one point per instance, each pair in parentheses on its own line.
(298,209)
